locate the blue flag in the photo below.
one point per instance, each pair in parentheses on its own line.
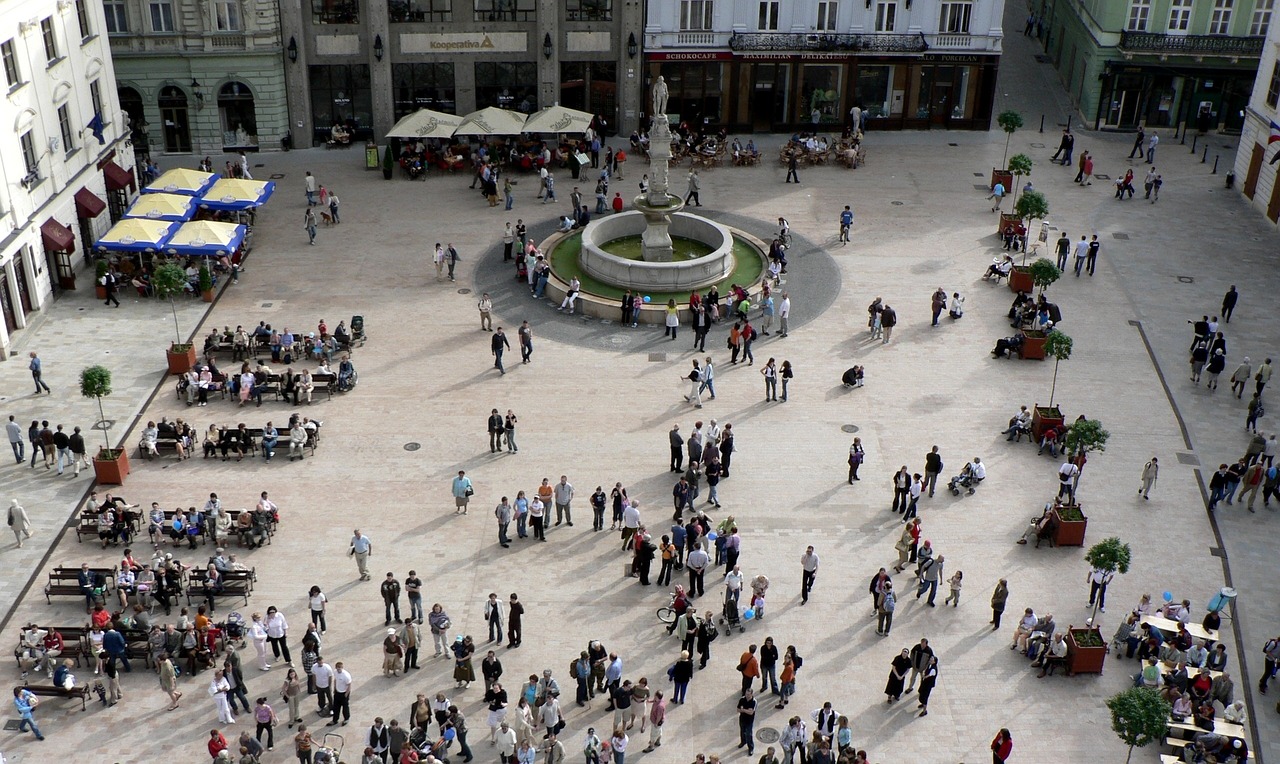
(96,127)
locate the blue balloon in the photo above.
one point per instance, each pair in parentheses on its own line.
(1168,596)
(646,298)
(748,614)
(713,535)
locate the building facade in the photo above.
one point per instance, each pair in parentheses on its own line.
(367,63)
(1157,63)
(1258,158)
(65,156)
(200,77)
(778,65)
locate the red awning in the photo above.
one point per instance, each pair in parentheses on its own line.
(57,237)
(117,177)
(88,205)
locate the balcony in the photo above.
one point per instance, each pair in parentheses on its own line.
(874,43)
(962,42)
(1191,45)
(227,42)
(689,39)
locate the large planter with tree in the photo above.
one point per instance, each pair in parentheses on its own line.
(1019,165)
(1033,344)
(1084,436)
(1044,417)
(1020,280)
(1140,717)
(1030,207)
(205,280)
(1071,525)
(100,268)
(1009,121)
(1044,272)
(110,465)
(1058,347)
(1086,651)
(170,281)
(1002,176)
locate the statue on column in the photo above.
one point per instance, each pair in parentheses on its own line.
(660,97)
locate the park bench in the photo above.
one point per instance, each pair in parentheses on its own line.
(74,643)
(235,583)
(50,691)
(66,581)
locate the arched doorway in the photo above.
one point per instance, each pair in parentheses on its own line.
(131,104)
(173,113)
(236,115)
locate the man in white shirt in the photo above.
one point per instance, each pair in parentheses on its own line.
(267,505)
(361,549)
(341,694)
(630,522)
(809,567)
(733,584)
(784,312)
(697,563)
(322,673)
(1066,477)
(564,495)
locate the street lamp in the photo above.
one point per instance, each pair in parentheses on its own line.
(632,47)
(378,50)
(198,93)
(546,45)
(293,50)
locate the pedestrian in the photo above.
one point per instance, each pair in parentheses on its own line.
(462,490)
(291,693)
(1062,247)
(504,514)
(856,456)
(309,225)
(932,468)
(525,334)
(36,373)
(677,450)
(694,186)
(884,612)
(1092,259)
(14,431)
(808,573)
(497,345)
(341,695)
(311,187)
(333,207)
(258,635)
(930,572)
(1271,660)
(953,584)
(25,702)
(508,192)
(219,687)
(846,222)
(1152,142)
(1066,480)
(1138,140)
(1155,188)
(913,496)
(362,550)
(1260,378)
(747,720)
(1150,473)
(888,320)
(708,380)
(786,374)
(672,320)
(1240,377)
(19,522)
(265,716)
(509,431)
(1098,580)
(1002,746)
(770,373)
(485,306)
(1081,252)
(997,194)
(390,591)
(927,683)
(998,599)
(437,257)
(277,635)
(79,455)
(793,161)
(169,680)
(515,616)
(898,669)
(451,259)
(110,283)
(1229,303)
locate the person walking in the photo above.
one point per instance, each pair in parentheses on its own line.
(809,563)
(998,599)
(694,186)
(333,207)
(927,683)
(1091,260)
(784,314)
(1081,253)
(525,334)
(932,468)
(793,161)
(1150,473)
(110,284)
(451,259)
(884,612)
(930,573)
(747,720)
(694,378)
(1098,580)
(341,695)
(1062,248)
(19,522)
(37,372)
(1138,140)
(1240,377)
(311,188)
(1002,745)
(497,345)
(1229,303)
(219,687)
(846,222)
(888,320)
(309,225)
(25,702)
(14,431)
(997,196)
(361,550)
(1152,142)
(515,616)
(462,491)
(485,306)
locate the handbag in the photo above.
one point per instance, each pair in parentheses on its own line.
(469,492)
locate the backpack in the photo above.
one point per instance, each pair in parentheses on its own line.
(890,602)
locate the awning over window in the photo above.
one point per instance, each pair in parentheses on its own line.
(88,205)
(117,177)
(57,237)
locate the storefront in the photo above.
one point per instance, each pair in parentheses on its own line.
(341,94)
(779,92)
(1157,95)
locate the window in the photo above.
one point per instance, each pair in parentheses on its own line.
(886,16)
(1261,18)
(954,18)
(50,40)
(11,72)
(423,86)
(341,94)
(507,85)
(64,124)
(335,12)
(117,21)
(827,16)
(1273,90)
(29,152)
(695,15)
(95,97)
(506,10)
(82,17)
(1179,16)
(1139,15)
(1220,21)
(420,10)
(161,16)
(768,21)
(226,15)
(588,10)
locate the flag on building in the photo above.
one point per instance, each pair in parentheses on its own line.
(96,126)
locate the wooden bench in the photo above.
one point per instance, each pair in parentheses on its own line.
(235,524)
(165,442)
(168,525)
(1178,744)
(49,691)
(284,441)
(75,643)
(66,581)
(235,583)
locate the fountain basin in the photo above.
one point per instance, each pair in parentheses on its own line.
(669,276)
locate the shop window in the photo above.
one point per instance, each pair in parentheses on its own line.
(1179,16)
(820,88)
(953,18)
(588,10)
(768,21)
(507,85)
(341,94)
(335,11)
(590,86)
(695,90)
(423,86)
(1220,19)
(696,15)
(131,104)
(872,90)
(420,10)
(1139,15)
(175,116)
(506,10)
(237,117)
(886,17)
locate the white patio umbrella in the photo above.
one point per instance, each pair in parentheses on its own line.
(491,121)
(425,123)
(558,119)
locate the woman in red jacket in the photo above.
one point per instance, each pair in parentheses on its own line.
(1001,747)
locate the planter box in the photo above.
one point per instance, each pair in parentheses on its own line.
(181,360)
(1020,280)
(1008,219)
(207,296)
(1044,417)
(111,471)
(1033,344)
(1002,176)
(1083,659)
(1070,532)
(100,291)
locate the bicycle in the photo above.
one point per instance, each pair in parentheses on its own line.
(668,614)
(784,238)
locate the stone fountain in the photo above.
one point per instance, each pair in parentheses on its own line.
(658,205)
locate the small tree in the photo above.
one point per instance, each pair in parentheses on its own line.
(95,382)
(169,281)
(1019,165)
(1085,435)
(1058,346)
(1111,556)
(1009,121)
(1030,207)
(205,278)
(1044,273)
(1139,716)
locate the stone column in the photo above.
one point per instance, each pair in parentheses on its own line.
(378,23)
(549,13)
(297,83)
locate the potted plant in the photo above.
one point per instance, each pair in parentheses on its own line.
(1009,121)
(100,268)
(1044,417)
(111,465)
(1083,436)
(206,283)
(1058,347)
(1140,716)
(1019,165)
(1071,525)
(169,281)
(1111,556)
(388,164)
(1030,207)
(1086,650)
(1032,344)
(1044,273)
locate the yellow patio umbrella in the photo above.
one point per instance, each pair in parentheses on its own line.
(558,119)
(177,207)
(491,121)
(206,237)
(233,194)
(136,235)
(425,123)
(182,181)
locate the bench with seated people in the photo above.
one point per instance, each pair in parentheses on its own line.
(38,647)
(207,584)
(53,691)
(177,437)
(92,584)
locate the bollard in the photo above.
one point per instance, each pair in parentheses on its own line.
(1215,164)
(1194,138)
(1068,121)
(1042,123)
(1205,157)
(1184,135)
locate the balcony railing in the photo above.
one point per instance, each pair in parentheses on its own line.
(878,43)
(1192,44)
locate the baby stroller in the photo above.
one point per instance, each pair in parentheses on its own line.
(730,619)
(965,479)
(357,330)
(330,750)
(233,630)
(522,268)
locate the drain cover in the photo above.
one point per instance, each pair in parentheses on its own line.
(412,446)
(267,304)
(464,290)
(1120,236)
(953,144)
(12,725)
(767,735)
(981,187)
(897,203)
(105,424)
(275,175)
(657,357)
(977,175)
(1187,279)
(1037,145)
(1188,459)
(1100,176)
(850,428)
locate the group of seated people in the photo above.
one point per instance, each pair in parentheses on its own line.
(115,518)
(240,440)
(339,135)
(1038,314)
(1038,639)
(999,269)
(181,434)
(745,155)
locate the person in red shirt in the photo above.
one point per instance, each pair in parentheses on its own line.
(1001,747)
(217,743)
(100,617)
